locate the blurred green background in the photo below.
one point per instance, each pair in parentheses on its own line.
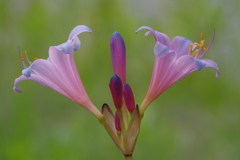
(196,119)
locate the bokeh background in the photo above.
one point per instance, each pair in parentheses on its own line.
(196,119)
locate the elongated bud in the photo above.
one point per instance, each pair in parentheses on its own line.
(116,90)
(129,98)
(118,123)
(118,54)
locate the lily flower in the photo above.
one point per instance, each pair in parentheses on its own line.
(174,60)
(59,72)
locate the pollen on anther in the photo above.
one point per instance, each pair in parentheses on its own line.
(201,35)
(22,58)
(199,46)
(35,58)
(25,52)
(202,44)
(190,48)
(194,53)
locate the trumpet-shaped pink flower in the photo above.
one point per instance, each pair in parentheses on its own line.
(174,60)
(59,71)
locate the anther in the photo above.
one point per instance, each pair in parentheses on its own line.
(35,58)
(201,35)
(25,52)
(194,53)
(199,46)
(202,44)
(190,48)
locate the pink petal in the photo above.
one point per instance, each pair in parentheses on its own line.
(77,30)
(161,50)
(181,45)
(66,67)
(181,68)
(162,66)
(210,63)
(162,38)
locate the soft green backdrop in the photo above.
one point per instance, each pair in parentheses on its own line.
(196,119)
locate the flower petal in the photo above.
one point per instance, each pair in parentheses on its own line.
(77,30)
(181,45)
(73,42)
(200,64)
(65,65)
(210,63)
(162,38)
(161,50)
(147,28)
(66,47)
(27,71)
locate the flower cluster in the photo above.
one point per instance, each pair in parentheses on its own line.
(174,59)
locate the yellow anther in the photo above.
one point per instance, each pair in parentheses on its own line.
(25,52)
(190,48)
(35,58)
(194,53)
(22,58)
(202,44)
(199,46)
(201,35)
(30,62)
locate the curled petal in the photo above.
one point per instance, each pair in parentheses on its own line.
(161,50)
(210,63)
(147,28)
(77,30)
(162,38)
(200,64)
(65,47)
(181,45)
(27,72)
(73,42)
(77,44)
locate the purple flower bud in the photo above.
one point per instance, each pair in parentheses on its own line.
(118,124)
(129,98)
(118,54)
(116,90)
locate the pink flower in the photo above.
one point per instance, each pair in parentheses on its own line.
(59,71)
(174,60)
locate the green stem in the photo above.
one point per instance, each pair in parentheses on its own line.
(128,157)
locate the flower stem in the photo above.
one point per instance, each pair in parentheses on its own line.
(128,157)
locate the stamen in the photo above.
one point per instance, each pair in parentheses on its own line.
(35,58)
(201,35)
(190,48)
(195,52)
(199,46)
(27,58)
(21,57)
(25,52)
(202,44)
